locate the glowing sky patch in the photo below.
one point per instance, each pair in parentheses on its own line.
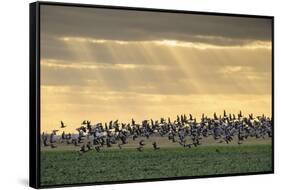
(170,43)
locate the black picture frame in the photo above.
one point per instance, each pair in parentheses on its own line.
(34,90)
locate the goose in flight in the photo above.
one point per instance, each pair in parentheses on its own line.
(62,125)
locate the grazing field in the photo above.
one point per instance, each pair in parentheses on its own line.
(64,166)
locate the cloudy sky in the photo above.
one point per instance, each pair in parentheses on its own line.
(105,64)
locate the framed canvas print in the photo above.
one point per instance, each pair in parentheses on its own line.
(120,94)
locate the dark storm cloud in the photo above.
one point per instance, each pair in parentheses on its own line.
(141,25)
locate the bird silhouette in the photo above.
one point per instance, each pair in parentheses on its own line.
(141,143)
(97,148)
(62,125)
(155,147)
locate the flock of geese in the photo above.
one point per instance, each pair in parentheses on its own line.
(185,131)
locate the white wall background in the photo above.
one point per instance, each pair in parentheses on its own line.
(14,51)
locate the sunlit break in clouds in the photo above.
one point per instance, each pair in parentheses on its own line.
(104,64)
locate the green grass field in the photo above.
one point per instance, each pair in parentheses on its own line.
(63,166)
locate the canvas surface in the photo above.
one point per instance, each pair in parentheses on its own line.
(142,95)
